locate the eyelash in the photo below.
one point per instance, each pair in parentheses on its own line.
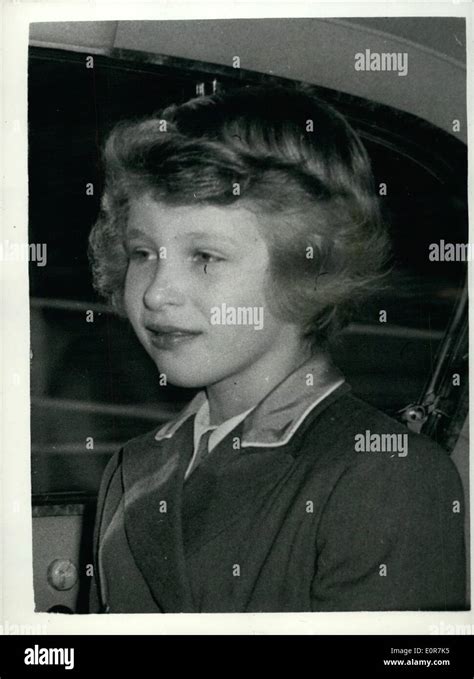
(213,259)
(143,254)
(139,254)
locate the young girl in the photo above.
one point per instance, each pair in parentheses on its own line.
(237,233)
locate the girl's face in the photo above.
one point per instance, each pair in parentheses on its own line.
(194,292)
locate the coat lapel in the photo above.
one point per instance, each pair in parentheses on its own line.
(232,483)
(153,474)
(227,479)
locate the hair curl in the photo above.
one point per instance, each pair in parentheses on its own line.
(296,162)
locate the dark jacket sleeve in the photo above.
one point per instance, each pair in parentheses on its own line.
(95,603)
(391,534)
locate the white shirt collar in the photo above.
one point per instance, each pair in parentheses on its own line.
(219,432)
(274,420)
(201,425)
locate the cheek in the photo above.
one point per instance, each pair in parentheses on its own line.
(247,287)
(131,296)
(257,330)
(272,294)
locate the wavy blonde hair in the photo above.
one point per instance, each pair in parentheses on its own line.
(297,163)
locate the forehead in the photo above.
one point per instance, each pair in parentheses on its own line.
(155,219)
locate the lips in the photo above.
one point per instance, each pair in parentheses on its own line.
(169,336)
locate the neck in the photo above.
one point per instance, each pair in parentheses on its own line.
(237,393)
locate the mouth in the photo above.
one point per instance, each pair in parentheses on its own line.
(168,337)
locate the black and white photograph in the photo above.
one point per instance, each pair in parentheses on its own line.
(247,251)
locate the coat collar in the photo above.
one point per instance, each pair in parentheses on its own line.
(278,416)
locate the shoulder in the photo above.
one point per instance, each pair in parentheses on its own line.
(146,439)
(356,427)
(116,459)
(404,511)
(113,469)
(367,454)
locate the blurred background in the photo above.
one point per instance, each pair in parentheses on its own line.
(92,385)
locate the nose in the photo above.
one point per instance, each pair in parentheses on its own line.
(163,288)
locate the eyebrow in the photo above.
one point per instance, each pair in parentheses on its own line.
(212,234)
(135,233)
(138,233)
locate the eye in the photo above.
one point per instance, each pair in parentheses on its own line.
(139,254)
(203,257)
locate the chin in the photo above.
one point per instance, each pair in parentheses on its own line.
(186,381)
(188,377)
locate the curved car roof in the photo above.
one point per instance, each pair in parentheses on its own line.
(313,50)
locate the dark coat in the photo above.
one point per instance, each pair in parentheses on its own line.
(312,525)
